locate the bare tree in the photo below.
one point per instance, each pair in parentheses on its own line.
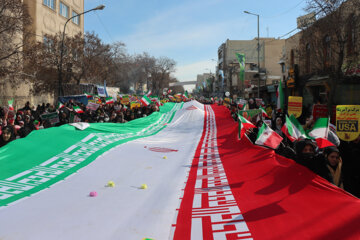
(327,47)
(14,18)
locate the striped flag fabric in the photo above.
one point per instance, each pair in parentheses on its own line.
(77,109)
(145,100)
(109,100)
(60,105)
(268,137)
(244,125)
(88,95)
(10,103)
(264,114)
(280,98)
(320,133)
(292,131)
(149,93)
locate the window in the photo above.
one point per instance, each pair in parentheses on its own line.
(75,20)
(49,3)
(292,58)
(327,51)
(307,58)
(48,43)
(64,10)
(351,43)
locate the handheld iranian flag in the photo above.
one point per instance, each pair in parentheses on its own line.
(88,95)
(60,105)
(78,109)
(244,125)
(109,100)
(149,93)
(264,114)
(268,137)
(293,131)
(280,98)
(10,103)
(156,101)
(186,95)
(320,133)
(145,100)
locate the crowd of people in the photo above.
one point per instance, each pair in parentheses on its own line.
(339,164)
(18,123)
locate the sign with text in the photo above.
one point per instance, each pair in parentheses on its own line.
(92,106)
(321,111)
(53,117)
(295,106)
(347,122)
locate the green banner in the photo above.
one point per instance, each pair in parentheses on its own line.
(241,59)
(44,157)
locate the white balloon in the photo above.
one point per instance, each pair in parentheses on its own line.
(227,94)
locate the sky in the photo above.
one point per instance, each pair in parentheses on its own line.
(189,31)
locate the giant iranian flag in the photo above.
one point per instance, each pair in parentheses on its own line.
(181,173)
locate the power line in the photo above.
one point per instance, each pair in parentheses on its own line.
(289,10)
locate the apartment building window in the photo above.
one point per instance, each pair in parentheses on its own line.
(307,58)
(75,20)
(49,3)
(48,43)
(64,10)
(327,51)
(351,43)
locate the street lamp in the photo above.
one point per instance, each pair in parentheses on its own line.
(258,49)
(100,7)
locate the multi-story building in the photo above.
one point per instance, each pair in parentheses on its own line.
(269,53)
(321,62)
(48,17)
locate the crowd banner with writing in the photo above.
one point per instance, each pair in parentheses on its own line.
(135,105)
(321,111)
(53,117)
(92,106)
(125,100)
(295,106)
(347,122)
(259,101)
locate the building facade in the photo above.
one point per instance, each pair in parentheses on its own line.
(269,53)
(48,17)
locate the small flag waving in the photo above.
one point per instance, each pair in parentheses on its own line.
(264,114)
(149,93)
(109,100)
(320,133)
(60,105)
(145,100)
(292,131)
(78,109)
(280,98)
(10,103)
(88,95)
(268,137)
(244,125)
(186,95)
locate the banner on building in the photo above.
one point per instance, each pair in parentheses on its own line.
(241,59)
(53,117)
(347,122)
(295,106)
